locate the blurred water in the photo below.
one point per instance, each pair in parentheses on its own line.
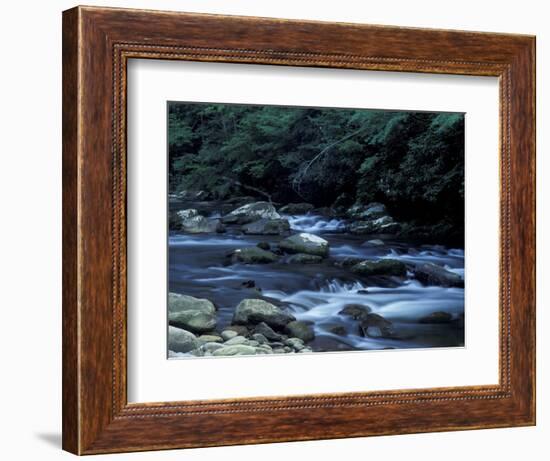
(198,266)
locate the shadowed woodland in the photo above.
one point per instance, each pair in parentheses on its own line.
(413,162)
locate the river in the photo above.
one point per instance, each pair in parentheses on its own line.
(198,266)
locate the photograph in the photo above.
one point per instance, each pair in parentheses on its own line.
(313,229)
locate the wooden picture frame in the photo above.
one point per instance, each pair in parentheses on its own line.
(97,43)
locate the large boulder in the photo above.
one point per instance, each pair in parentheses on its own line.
(371,211)
(301,330)
(195,321)
(251,212)
(382,225)
(376,326)
(380,267)
(178,303)
(192,314)
(433,274)
(305,243)
(266,226)
(181,340)
(252,311)
(253,255)
(297,208)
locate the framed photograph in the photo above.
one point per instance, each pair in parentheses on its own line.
(284,230)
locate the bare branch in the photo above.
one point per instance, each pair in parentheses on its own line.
(252,188)
(297,181)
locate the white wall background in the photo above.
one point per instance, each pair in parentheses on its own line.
(30,243)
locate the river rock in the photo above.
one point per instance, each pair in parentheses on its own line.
(248,284)
(301,330)
(251,212)
(210,339)
(303,258)
(195,321)
(259,338)
(296,343)
(437,317)
(257,310)
(297,208)
(239,329)
(336,329)
(228,334)
(187,214)
(267,226)
(376,326)
(211,347)
(380,267)
(262,350)
(355,311)
(181,340)
(194,314)
(192,222)
(264,246)
(265,330)
(371,211)
(305,243)
(178,302)
(237,349)
(383,225)
(432,274)
(253,255)
(236,340)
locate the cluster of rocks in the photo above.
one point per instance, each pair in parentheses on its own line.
(302,248)
(191,222)
(262,218)
(369,324)
(372,219)
(257,327)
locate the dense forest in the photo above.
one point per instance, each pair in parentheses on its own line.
(413,162)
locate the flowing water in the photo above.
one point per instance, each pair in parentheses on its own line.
(198,266)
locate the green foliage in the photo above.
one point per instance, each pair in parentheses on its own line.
(411,161)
